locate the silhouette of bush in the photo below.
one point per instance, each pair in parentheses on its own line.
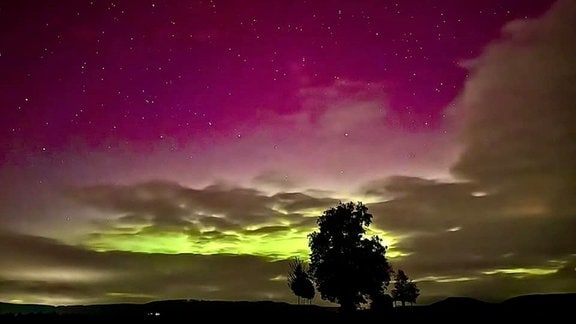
(299,280)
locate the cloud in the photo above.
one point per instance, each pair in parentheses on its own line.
(276,180)
(128,276)
(166,217)
(507,223)
(337,138)
(299,202)
(506,243)
(345,107)
(498,287)
(450,229)
(168,203)
(518,112)
(421,205)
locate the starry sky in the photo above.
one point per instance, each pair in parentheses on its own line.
(182,149)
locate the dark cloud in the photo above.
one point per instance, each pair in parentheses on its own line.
(296,201)
(157,201)
(167,203)
(39,252)
(46,291)
(507,243)
(43,270)
(269,229)
(417,205)
(218,222)
(449,230)
(498,287)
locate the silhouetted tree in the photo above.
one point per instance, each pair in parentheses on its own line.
(405,290)
(346,266)
(381,303)
(299,280)
(413,292)
(308,291)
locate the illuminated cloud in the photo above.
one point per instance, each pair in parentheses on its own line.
(163,217)
(39,270)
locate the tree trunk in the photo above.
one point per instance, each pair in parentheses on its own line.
(403,303)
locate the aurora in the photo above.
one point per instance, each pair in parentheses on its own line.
(154,150)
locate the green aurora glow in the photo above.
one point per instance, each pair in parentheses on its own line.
(277,245)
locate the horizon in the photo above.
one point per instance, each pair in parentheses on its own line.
(326,305)
(155,151)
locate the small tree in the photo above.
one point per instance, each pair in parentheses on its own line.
(308,291)
(405,290)
(347,267)
(299,280)
(412,292)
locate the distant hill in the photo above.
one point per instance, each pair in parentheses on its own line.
(460,302)
(548,301)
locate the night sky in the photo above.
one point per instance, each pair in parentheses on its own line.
(182,149)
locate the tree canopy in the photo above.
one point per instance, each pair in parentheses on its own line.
(347,267)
